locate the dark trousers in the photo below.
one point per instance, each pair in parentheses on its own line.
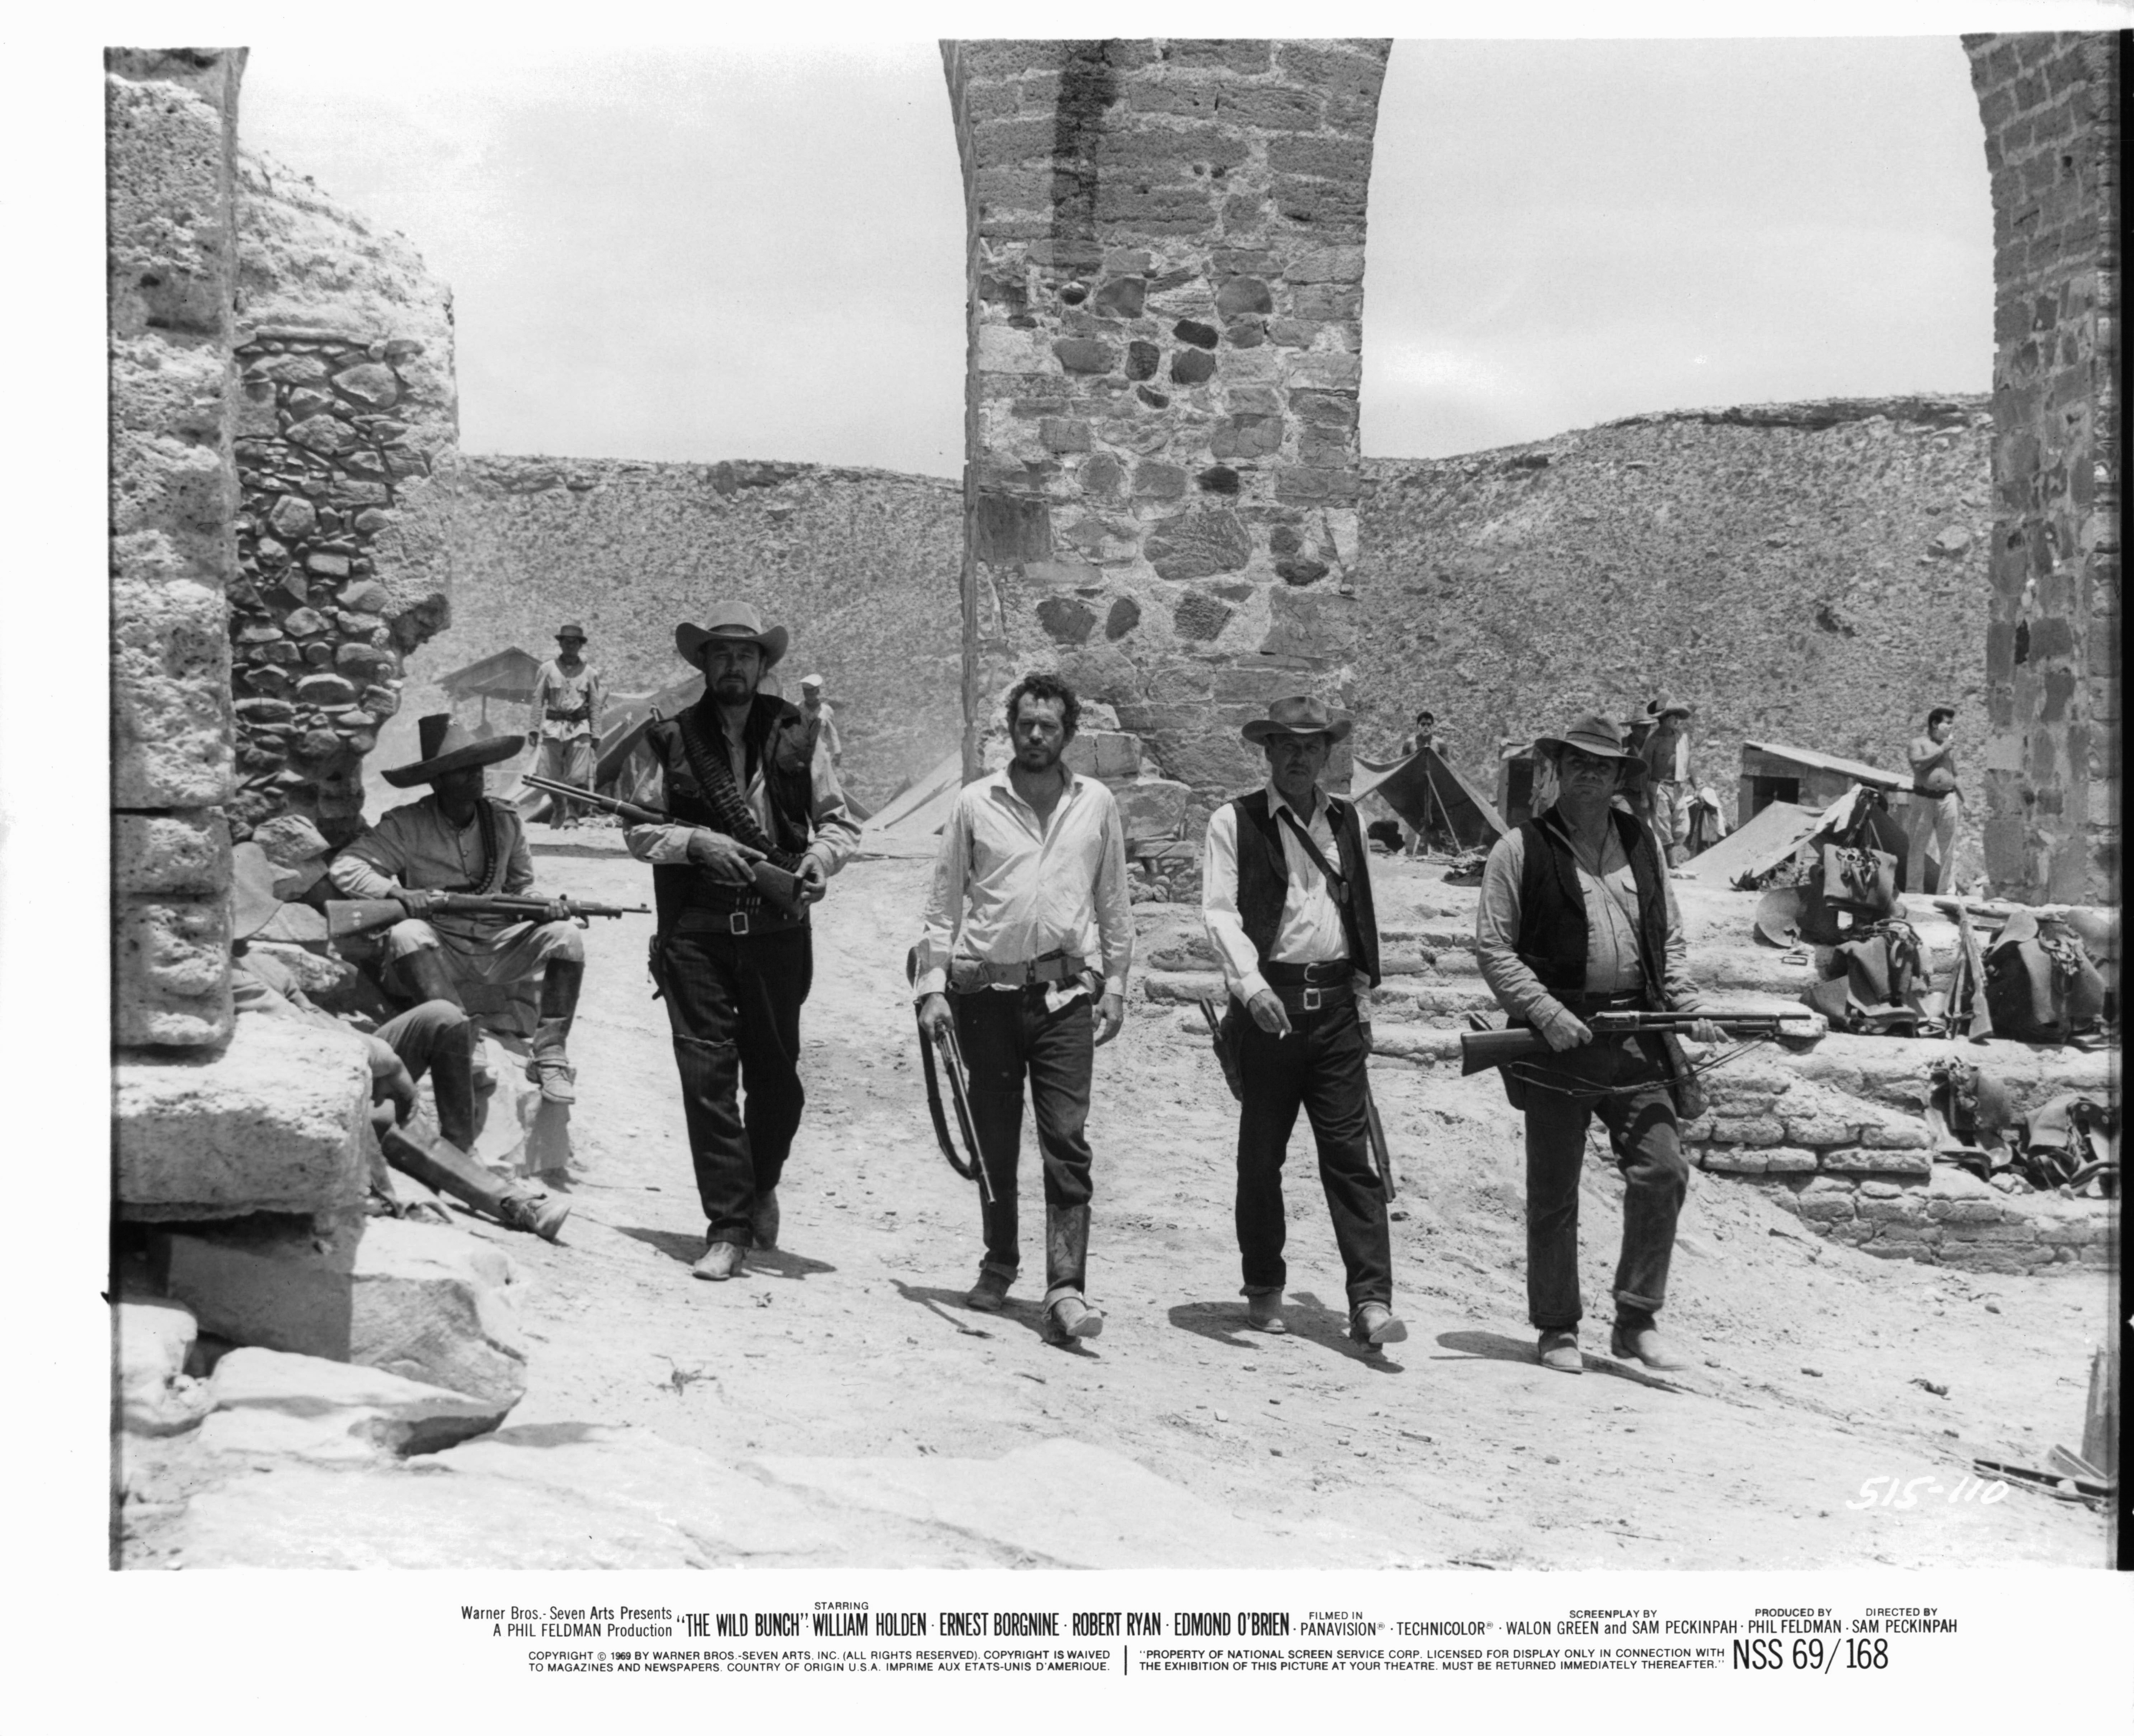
(438,1037)
(1641,1127)
(1318,1067)
(733,1003)
(1006,1036)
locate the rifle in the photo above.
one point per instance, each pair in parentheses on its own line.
(776,885)
(1379,1150)
(1478,1049)
(347,916)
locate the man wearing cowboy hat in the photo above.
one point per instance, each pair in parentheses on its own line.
(1666,788)
(435,1038)
(821,716)
(569,694)
(1285,896)
(744,783)
(1576,916)
(457,839)
(1029,929)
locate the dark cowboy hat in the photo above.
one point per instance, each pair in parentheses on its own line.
(1298,715)
(1666,705)
(730,620)
(570,629)
(1602,737)
(447,746)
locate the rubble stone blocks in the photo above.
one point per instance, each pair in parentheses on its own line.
(423,1302)
(170,136)
(1165,268)
(2049,776)
(346,443)
(275,1401)
(274,1122)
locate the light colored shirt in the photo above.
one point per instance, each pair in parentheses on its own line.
(835,833)
(1310,931)
(1667,757)
(555,690)
(1610,892)
(825,716)
(415,848)
(1009,888)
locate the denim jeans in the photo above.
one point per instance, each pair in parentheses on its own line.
(1641,1127)
(1007,1037)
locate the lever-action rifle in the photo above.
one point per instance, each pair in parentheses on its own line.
(777,886)
(346,916)
(1478,1049)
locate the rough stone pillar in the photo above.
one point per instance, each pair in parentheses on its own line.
(1162,477)
(171,119)
(2050,780)
(346,442)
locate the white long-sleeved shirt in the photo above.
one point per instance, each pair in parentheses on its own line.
(1009,888)
(1310,931)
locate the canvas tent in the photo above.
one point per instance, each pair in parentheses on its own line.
(1424,789)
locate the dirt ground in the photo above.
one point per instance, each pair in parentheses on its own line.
(850,1341)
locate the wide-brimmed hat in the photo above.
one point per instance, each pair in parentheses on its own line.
(1298,715)
(570,629)
(731,621)
(1666,705)
(1602,737)
(811,681)
(448,747)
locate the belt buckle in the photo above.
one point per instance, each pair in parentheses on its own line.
(737,922)
(1313,1000)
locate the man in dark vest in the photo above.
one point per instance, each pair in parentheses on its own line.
(1576,917)
(737,770)
(1286,895)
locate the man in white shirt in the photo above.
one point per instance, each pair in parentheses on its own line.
(1028,932)
(1285,896)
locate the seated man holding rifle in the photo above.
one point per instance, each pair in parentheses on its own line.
(457,863)
(1576,921)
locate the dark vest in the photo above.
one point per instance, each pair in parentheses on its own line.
(1552,929)
(777,738)
(1263,878)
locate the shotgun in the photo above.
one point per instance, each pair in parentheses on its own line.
(1478,1049)
(776,885)
(1379,1150)
(347,916)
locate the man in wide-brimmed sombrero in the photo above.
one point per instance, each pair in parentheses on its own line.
(745,780)
(1576,917)
(1285,897)
(457,839)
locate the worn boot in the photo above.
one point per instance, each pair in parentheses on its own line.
(763,1222)
(1263,1311)
(989,1295)
(1373,1325)
(1557,1348)
(452,1083)
(551,1068)
(523,1209)
(1636,1339)
(426,972)
(1067,1316)
(446,1169)
(720,1261)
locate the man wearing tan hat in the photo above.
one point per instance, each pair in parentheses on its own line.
(434,1038)
(457,839)
(1285,897)
(744,783)
(821,716)
(1576,916)
(569,694)
(1667,786)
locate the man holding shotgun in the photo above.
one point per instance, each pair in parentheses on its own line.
(1029,931)
(458,840)
(746,789)
(1285,897)
(1576,919)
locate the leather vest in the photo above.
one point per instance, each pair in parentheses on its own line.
(1552,928)
(1263,879)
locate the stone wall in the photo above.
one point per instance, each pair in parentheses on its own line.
(171,118)
(346,443)
(1808,573)
(860,566)
(1166,293)
(2049,103)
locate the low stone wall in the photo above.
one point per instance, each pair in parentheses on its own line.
(1940,1216)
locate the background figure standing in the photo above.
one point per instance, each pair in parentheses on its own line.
(569,695)
(1424,735)
(1668,786)
(821,717)
(738,777)
(1299,944)
(1935,802)
(1028,927)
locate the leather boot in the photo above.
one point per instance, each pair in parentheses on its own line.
(426,972)
(550,1068)
(1067,1316)
(446,1170)
(452,1082)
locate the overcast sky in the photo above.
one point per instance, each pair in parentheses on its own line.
(703,253)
